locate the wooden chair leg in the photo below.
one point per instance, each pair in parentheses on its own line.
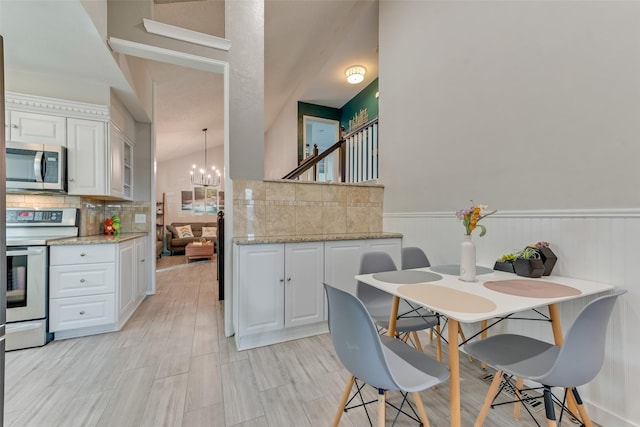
(488,399)
(343,401)
(461,333)
(381,407)
(483,335)
(420,407)
(574,397)
(439,344)
(517,405)
(417,341)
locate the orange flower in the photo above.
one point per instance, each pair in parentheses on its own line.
(471,216)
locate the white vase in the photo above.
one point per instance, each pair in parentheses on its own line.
(467,260)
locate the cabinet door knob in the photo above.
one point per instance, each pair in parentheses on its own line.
(82,280)
(71,179)
(82,254)
(14,126)
(288,279)
(281,280)
(142,260)
(81,312)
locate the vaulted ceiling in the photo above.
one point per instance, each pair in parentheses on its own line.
(308,45)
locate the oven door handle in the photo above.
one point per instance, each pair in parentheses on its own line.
(27,252)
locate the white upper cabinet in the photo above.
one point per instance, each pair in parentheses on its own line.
(116,156)
(36,128)
(86,157)
(100,155)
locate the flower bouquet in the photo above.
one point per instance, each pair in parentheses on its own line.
(471,216)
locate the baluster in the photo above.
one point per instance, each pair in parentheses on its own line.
(374,152)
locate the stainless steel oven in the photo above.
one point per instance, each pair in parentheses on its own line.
(28,231)
(26,296)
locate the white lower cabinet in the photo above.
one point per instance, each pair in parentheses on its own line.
(342,259)
(278,292)
(93,288)
(142,248)
(127,294)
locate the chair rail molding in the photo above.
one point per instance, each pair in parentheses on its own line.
(550,213)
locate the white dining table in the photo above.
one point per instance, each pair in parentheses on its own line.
(494,294)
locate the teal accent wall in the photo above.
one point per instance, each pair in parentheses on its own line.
(305,109)
(365,99)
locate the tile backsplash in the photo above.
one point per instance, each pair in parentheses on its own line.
(93,212)
(286,208)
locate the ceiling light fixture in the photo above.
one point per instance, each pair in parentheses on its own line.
(355,74)
(205,179)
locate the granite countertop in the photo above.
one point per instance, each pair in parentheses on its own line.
(313,238)
(96,239)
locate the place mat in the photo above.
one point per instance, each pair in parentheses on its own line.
(447,298)
(407,276)
(531,288)
(454,269)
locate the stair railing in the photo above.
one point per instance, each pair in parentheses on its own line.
(354,158)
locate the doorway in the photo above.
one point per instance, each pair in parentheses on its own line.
(323,133)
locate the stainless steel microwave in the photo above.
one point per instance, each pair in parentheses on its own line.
(36,167)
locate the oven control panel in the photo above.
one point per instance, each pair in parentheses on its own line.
(35,217)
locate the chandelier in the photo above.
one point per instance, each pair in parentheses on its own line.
(203,177)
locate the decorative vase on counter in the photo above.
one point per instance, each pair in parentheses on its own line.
(467,260)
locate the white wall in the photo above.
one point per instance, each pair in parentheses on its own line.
(281,143)
(530,107)
(173,177)
(55,86)
(517,104)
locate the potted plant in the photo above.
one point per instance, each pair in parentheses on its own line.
(546,255)
(505,262)
(528,263)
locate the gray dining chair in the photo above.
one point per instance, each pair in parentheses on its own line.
(382,362)
(415,257)
(411,318)
(574,363)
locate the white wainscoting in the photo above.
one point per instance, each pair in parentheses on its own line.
(599,245)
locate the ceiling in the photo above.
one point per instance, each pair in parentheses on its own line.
(308,46)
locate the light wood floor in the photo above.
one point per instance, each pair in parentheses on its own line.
(172,366)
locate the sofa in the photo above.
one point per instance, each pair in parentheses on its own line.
(176,241)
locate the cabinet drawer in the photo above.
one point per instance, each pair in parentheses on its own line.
(82,254)
(81,312)
(79,280)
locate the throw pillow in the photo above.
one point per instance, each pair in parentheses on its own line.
(208,231)
(185,231)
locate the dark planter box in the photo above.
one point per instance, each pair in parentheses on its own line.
(504,266)
(548,259)
(529,267)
